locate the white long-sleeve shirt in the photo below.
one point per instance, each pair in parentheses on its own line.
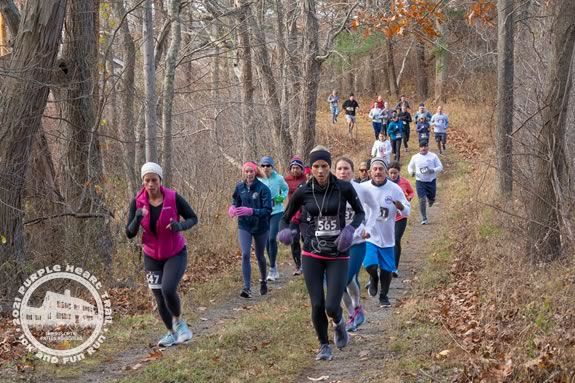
(381,221)
(368,204)
(425,167)
(382,149)
(439,122)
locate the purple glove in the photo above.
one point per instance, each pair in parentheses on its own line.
(345,238)
(285,236)
(232,211)
(243,211)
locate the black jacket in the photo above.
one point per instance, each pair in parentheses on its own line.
(319,233)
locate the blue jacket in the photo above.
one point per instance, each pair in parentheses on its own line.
(258,197)
(395,130)
(279,188)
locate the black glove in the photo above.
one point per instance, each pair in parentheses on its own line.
(176,226)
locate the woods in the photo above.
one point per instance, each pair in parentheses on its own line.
(92,89)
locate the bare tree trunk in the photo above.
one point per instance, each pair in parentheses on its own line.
(393,89)
(294,78)
(441,54)
(24,96)
(310,79)
(280,134)
(150,83)
(83,157)
(169,77)
(249,136)
(421,71)
(544,229)
(505,97)
(371,80)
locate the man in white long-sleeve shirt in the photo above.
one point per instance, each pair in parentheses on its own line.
(439,122)
(379,252)
(425,166)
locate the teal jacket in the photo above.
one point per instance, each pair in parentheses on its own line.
(395,130)
(279,188)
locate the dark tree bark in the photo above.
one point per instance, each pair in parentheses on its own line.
(421,71)
(504,97)
(22,102)
(393,89)
(544,230)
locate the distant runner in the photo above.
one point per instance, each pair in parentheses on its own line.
(333,100)
(381,148)
(424,166)
(350,106)
(440,123)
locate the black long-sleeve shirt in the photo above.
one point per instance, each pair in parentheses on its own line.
(183,207)
(325,212)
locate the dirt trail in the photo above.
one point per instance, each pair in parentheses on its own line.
(363,360)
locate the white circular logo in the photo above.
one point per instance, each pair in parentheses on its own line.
(62,327)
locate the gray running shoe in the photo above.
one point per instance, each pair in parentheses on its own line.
(246,293)
(324,353)
(183,333)
(340,335)
(168,340)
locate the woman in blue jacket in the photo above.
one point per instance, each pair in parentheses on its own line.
(395,133)
(252,204)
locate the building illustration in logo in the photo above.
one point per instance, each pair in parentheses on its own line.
(60,309)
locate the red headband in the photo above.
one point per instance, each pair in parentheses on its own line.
(250,164)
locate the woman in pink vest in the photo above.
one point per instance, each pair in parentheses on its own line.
(158,210)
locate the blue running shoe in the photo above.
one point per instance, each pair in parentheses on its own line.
(324,353)
(168,340)
(340,335)
(350,324)
(183,333)
(359,317)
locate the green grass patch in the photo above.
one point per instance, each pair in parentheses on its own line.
(250,348)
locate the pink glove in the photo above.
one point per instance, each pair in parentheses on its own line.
(244,211)
(232,211)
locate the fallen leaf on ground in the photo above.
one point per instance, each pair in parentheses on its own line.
(323,377)
(443,354)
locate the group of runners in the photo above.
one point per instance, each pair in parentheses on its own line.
(333,222)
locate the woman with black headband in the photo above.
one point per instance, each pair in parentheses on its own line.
(327,239)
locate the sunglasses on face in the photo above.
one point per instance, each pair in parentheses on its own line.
(363,170)
(266,166)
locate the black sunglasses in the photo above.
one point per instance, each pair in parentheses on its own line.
(363,170)
(266,166)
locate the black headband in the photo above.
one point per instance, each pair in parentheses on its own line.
(320,155)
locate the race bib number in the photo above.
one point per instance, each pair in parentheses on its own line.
(326,226)
(423,135)
(154,279)
(349,213)
(350,108)
(398,135)
(383,213)
(424,170)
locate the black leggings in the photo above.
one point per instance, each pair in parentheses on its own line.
(384,277)
(396,148)
(399,230)
(335,271)
(163,279)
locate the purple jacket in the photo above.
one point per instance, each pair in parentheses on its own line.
(165,243)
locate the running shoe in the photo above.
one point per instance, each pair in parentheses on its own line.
(372,289)
(350,324)
(340,336)
(324,353)
(431,202)
(395,274)
(183,333)
(246,293)
(273,275)
(424,222)
(384,302)
(263,288)
(168,340)
(359,317)
(297,271)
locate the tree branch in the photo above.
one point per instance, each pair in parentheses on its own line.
(76,215)
(331,37)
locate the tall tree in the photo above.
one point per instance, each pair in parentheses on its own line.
(441,62)
(420,71)
(544,230)
(22,102)
(149,83)
(169,78)
(504,97)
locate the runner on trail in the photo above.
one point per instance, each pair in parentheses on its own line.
(402,103)
(424,166)
(363,174)
(380,248)
(379,102)
(440,123)
(387,113)
(333,100)
(279,190)
(422,111)
(295,179)
(381,148)
(395,133)
(351,106)
(405,117)
(158,210)
(327,240)
(252,204)
(351,297)
(376,115)
(422,129)
(400,220)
